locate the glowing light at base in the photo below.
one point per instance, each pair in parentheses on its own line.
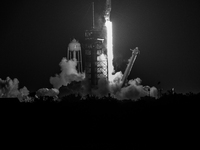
(108,25)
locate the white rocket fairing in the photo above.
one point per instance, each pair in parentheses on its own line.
(108,10)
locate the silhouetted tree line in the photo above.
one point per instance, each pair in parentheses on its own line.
(166,102)
(71,121)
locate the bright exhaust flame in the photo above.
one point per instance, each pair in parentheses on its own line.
(108,25)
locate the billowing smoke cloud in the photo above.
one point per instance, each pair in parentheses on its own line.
(75,88)
(47,92)
(115,86)
(76,83)
(154,92)
(67,75)
(9,89)
(133,91)
(103,88)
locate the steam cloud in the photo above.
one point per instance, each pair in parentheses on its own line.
(76,83)
(9,89)
(47,92)
(133,91)
(67,75)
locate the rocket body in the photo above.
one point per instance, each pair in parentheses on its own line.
(108,10)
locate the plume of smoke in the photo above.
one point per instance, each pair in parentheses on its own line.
(103,88)
(115,86)
(73,82)
(74,88)
(154,92)
(133,91)
(9,89)
(47,92)
(67,75)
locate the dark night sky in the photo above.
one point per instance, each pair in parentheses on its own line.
(35,36)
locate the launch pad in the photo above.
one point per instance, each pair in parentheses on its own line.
(98,52)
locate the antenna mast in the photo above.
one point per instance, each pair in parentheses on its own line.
(93,25)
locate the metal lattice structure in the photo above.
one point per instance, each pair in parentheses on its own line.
(96,63)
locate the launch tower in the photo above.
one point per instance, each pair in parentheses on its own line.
(95,57)
(96,62)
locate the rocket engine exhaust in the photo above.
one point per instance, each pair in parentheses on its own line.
(114,84)
(108,25)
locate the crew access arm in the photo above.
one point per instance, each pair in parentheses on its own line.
(135,52)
